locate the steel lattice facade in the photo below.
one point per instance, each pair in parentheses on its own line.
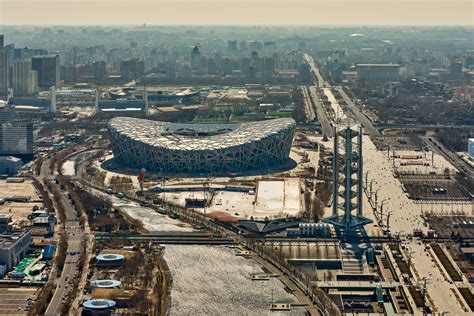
(177,148)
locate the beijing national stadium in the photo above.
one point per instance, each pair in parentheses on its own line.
(201,148)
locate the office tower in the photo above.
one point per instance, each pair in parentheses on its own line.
(304,73)
(468,61)
(16,138)
(99,70)
(4,67)
(254,59)
(455,67)
(243,46)
(32,82)
(244,66)
(377,73)
(255,46)
(211,66)
(268,68)
(252,73)
(226,66)
(7,113)
(195,59)
(69,73)
(47,68)
(232,47)
(20,82)
(186,73)
(269,49)
(171,71)
(132,69)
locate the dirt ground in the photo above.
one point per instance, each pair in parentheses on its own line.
(18,210)
(13,300)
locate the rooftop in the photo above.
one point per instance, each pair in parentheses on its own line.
(377,65)
(164,134)
(10,158)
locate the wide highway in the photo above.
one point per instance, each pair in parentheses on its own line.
(358,115)
(74,242)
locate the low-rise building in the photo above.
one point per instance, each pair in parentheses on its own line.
(10,165)
(13,247)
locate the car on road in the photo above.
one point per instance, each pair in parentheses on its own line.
(174,215)
(109,191)
(120,195)
(144,203)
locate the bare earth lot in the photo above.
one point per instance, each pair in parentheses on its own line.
(212,280)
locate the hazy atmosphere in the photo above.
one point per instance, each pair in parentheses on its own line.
(236,157)
(226,12)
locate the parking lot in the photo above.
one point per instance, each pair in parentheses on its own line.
(13,300)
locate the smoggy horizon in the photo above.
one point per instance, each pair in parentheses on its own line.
(238,12)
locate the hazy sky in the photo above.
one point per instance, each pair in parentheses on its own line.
(229,12)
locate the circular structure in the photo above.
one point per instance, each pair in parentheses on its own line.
(98,304)
(108,284)
(110,257)
(200,148)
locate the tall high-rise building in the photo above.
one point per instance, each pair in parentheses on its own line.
(48,70)
(170,70)
(99,70)
(7,113)
(4,67)
(269,49)
(268,68)
(32,81)
(244,66)
(20,78)
(232,47)
(195,59)
(132,69)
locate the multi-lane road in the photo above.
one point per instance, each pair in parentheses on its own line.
(313,97)
(326,125)
(357,114)
(453,158)
(75,238)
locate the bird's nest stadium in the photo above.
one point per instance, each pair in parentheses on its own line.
(175,148)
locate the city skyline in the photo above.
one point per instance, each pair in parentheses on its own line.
(237,12)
